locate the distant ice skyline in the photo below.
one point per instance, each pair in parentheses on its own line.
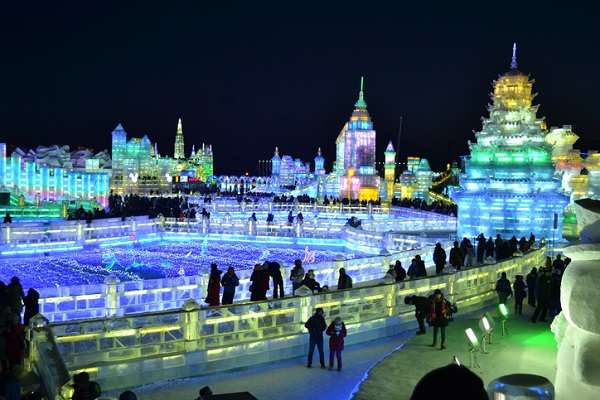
(247,77)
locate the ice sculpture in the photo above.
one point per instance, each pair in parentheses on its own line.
(508,187)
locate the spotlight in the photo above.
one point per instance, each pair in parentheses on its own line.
(473,345)
(486,332)
(503,314)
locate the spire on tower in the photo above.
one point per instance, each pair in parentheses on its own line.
(513,64)
(319,152)
(361,100)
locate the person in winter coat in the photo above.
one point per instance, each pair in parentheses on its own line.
(15,341)
(503,289)
(531,281)
(214,286)
(15,294)
(400,272)
(336,332)
(84,389)
(230,282)
(316,325)
(439,315)
(543,296)
(456,256)
(421,271)
(344,281)
(480,248)
(32,306)
(489,248)
(297,275)
(260,283)
(439,258)
(310,282)
(275,274)
(520,293)
(554,307)
(422,309)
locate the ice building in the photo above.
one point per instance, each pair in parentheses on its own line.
(354,176)
(136,168)
(39,181)
(508,186)
(179,143)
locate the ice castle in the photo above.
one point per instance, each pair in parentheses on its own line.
(508,185)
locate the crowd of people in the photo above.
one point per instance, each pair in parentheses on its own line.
(13,343)
(131,205)
(541,288)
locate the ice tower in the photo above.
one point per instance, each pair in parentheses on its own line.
(355,155)
(179,146)
(508,186)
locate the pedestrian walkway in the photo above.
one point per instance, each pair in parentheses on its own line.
(384,369)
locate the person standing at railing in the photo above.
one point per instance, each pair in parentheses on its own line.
(214,286)
(400,271)
(344,281)
(7,218)
(260,283)
(439,258)
(275,273)
(15,293)
(297,275)
(230,282)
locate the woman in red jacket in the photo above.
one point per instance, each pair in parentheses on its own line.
(214,286)
(337,333)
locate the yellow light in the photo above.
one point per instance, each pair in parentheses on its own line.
(254,315)
(144,331)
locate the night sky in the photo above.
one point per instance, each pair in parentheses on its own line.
(246,76)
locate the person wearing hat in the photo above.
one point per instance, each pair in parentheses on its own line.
(344,281)
(336,332)
(316,325)
(438,316)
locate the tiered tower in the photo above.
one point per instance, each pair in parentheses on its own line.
(508,186)
(355,155)
(179,146)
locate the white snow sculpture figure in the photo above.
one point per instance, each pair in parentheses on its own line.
(577,328)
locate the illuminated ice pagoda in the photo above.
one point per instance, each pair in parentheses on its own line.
(508,186)
(355,155)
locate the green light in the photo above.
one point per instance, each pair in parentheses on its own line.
(503,310)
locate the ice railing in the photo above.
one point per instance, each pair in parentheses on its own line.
(112,298)
(266,205)
(32,237)
(122,352)
(318,225)
(50,235)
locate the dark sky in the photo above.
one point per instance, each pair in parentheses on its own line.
(246,76)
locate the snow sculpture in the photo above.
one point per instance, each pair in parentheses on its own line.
(577,328)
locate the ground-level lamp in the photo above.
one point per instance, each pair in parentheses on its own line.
(473,345)
(486,326)
(503,314)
